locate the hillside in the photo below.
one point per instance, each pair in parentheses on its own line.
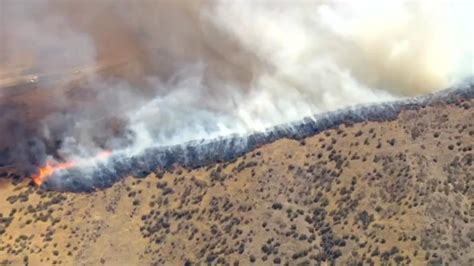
(398,192)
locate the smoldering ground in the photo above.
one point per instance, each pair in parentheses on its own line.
(128,75)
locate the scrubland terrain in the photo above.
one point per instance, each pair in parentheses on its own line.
(394,193)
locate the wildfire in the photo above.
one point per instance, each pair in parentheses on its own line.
(51,167)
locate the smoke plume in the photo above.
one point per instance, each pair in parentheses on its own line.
(81,77)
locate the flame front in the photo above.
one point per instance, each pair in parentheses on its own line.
(51,168)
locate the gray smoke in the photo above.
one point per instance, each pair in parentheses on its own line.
(81,77)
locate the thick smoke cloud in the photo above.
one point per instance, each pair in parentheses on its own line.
(80,77)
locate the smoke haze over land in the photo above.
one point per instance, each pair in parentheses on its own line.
(190,70)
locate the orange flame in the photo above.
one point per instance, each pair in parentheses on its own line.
(51,168)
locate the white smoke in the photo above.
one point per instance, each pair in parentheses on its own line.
(204,69)
(316,56)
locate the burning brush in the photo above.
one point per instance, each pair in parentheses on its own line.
(107,167)
(51,168)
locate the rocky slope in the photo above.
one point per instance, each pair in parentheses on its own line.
(394,192)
